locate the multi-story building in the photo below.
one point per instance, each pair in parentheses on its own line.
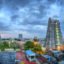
(0,37)
(54,35)
(20,36)
(7,57)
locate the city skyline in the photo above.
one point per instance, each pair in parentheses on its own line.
(30,17)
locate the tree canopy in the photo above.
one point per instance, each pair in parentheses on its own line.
(30,45)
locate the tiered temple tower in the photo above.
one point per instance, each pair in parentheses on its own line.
(54,35)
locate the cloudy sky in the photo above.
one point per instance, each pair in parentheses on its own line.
(29,17)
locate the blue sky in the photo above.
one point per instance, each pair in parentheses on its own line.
(29,17)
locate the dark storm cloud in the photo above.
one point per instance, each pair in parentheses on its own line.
(30,22)
(14,3)
(4,27)
(14,18)
(51,1)
(22,13)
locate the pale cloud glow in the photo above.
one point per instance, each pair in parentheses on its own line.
(40,27)
(54,11)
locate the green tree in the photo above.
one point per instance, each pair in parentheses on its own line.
(28,45)
(37,48)
(1,47)
(5,44)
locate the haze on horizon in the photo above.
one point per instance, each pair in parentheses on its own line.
(29,17)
